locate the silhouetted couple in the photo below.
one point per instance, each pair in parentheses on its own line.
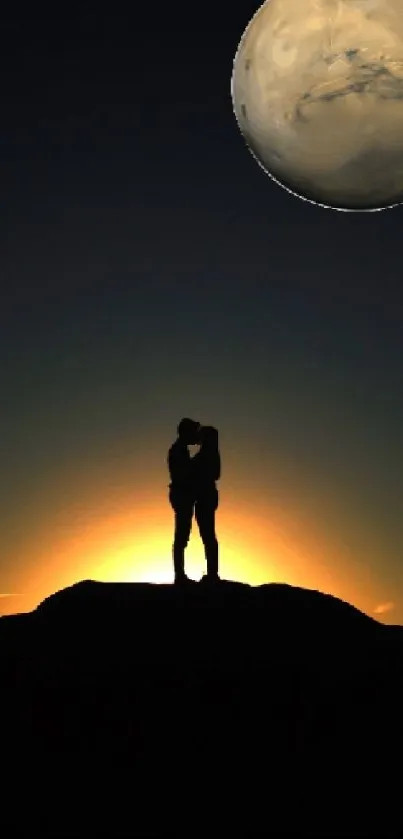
(193,490)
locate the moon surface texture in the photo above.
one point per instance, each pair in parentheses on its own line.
(317,91)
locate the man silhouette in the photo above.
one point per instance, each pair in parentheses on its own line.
(181,491)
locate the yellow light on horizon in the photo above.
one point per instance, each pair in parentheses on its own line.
(131,541)
(135,545)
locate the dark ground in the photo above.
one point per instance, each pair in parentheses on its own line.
(136,709)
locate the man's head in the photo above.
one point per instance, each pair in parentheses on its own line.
(188,431)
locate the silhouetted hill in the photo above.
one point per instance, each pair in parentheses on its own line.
(139,709)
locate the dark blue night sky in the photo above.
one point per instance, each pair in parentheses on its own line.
(149,269)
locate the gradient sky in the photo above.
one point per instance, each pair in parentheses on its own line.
(149,270)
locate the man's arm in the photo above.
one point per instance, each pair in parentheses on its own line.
(179,466)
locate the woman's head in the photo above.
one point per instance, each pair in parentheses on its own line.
(208,436)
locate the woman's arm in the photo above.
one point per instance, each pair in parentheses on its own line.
(217,474)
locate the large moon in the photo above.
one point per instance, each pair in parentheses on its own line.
(317,91)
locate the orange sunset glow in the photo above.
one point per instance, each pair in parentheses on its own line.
(182,334)
(127,541)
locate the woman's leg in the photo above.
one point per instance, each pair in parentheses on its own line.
(205,517)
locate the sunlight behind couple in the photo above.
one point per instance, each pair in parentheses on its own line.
(128,538)
(132,543)
(159,571)
(148,562)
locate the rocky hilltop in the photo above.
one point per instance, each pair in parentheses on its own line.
(140,709)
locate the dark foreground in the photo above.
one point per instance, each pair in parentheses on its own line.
(130,709)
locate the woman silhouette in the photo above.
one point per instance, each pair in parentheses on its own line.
(206,470)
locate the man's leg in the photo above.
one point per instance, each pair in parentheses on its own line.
(205,517)
(183,526)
